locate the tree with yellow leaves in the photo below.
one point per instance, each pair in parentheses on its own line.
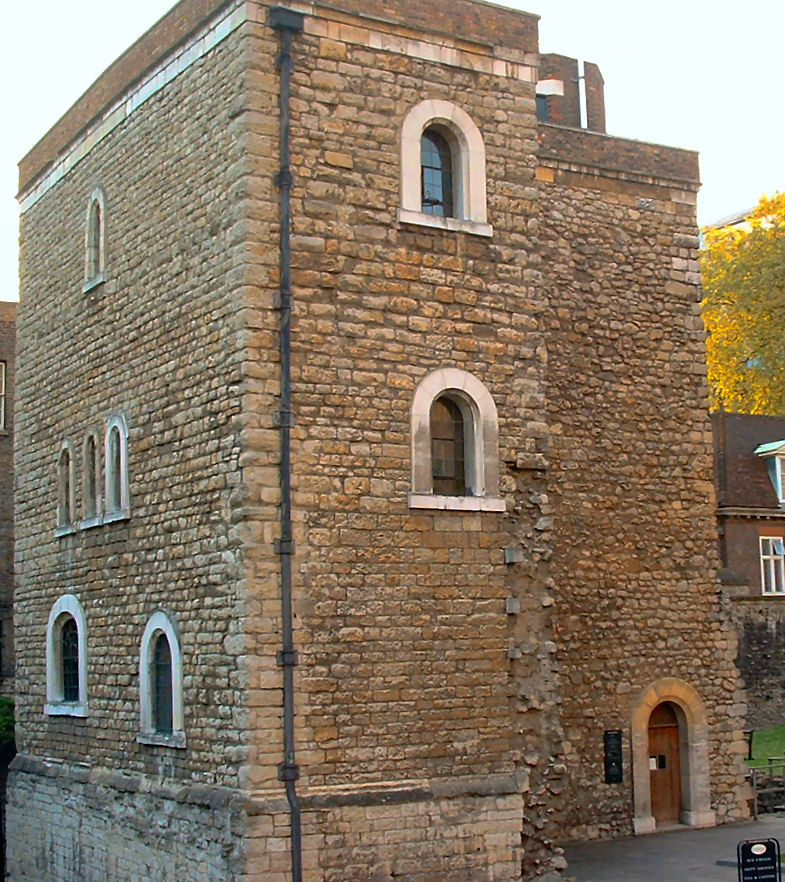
(743,276)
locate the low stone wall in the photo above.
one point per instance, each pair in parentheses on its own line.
(81,825)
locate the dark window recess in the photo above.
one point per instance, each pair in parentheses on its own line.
(162,685)
(90,479)
(447,448)
(437,182)
(69,637)
(661,761)
(115,492)
(543,113)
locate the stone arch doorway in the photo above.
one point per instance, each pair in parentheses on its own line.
(665,764)
(682,793)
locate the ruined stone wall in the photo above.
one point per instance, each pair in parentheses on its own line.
(630,467)
(160,341)
(760,623)
(7,352)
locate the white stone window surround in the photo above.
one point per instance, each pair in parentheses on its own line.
(65,607)
(160,622)
(95,240)
(95,518)
(116,483)
(772,566)
(470,201)
(66,490)
(481,442)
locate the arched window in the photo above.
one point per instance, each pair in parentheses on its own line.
(91,472)
(65,489)
(66,659)
(436,173)
(443,169)
(447,448)
(116,457)
(161,683)
(95,240)
(455,444)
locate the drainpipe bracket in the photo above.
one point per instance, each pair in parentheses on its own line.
(283,546)
(287,658)
(284,419)
(284,178)
(288,772)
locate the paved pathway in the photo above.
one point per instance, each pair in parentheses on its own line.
(680,855)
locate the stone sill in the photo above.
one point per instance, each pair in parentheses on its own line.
(753,598)
(65,709)
(119,514)
(92,284)
(160,739)
(421,219)
(456,503)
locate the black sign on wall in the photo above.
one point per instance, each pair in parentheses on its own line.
(614,773)
(759,860)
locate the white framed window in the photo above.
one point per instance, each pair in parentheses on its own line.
(91,481)
(3,408)
(66,659)
(443,169)
(95,240)
(65,489)
(455,444)
(116,492)
(772,564)
(161,683)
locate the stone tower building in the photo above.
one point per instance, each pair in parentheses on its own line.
(365,511)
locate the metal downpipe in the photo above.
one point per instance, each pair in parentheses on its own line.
(288,22)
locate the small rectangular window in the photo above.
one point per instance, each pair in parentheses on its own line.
(772,561)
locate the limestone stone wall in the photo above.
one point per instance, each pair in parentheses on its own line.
(631,468)
(425,657)
(94,826)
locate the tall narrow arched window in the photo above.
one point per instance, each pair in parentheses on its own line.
(161,683)
(91,471)
(447,448)
(65,489)
(437,176)
(116,457)
(69,658)
(66,659)
(95,240)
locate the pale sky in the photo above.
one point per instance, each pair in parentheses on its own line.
(702,74)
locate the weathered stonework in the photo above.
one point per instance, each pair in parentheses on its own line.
(7,357)
(442,649)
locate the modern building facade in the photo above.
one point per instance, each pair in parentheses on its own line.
(365,515)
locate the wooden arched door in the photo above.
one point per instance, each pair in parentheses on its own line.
(664,764)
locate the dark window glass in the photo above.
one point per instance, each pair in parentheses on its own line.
(437,185)
(162,685)
(115,493)
(543,114)
(447,448)
(94,241)
(69,645)
(64,489)
(90,479)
